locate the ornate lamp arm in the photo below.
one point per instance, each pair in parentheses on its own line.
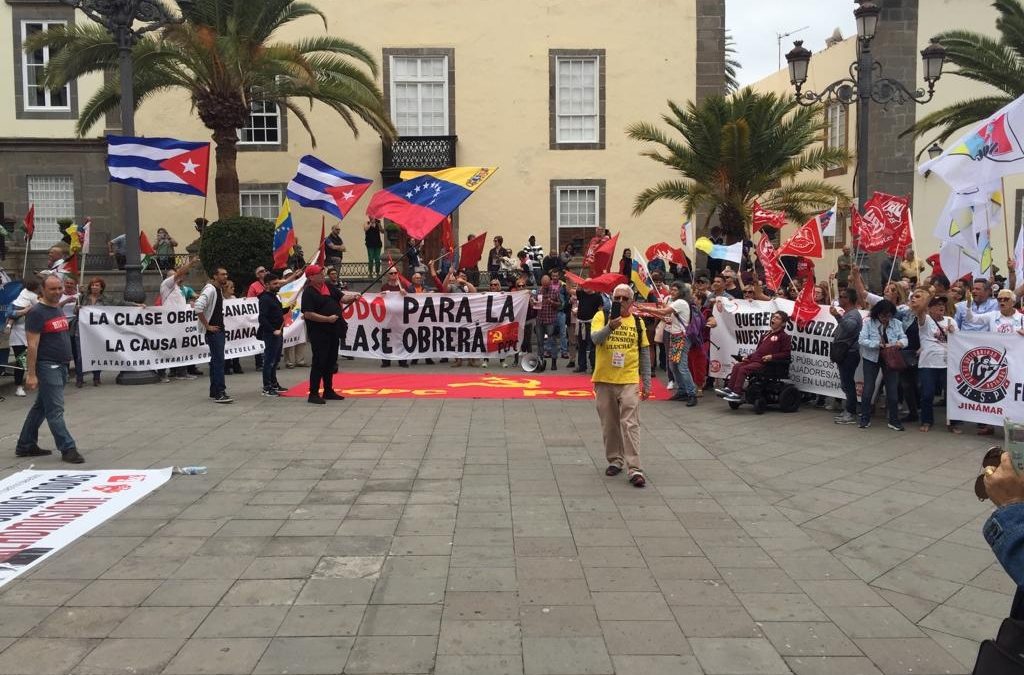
(120,16)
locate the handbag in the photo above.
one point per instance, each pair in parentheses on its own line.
(893,360)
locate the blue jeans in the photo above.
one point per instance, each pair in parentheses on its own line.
(930,379)
(1004,532)
(847,379)
(891,379)
(272,347)
(681,371)
(563,333)
(49,406)
(215,341)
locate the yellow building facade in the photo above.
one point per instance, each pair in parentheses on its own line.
(831,62)
(543,89)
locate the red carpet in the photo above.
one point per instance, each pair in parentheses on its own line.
(460,385)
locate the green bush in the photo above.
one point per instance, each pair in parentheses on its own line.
(239,245)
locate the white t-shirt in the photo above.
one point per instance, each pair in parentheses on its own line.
(995,322)
(171,295)
(25,299)
(934,336)
(680,317)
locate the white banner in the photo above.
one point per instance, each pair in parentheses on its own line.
(149,338)
(43,511)
(985,377)
(742,324)
(430,325)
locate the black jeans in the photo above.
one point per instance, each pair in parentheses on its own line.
(324,362)
(847,374)
(891,379)
(908,388)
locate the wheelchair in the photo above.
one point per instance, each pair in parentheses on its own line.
(771,386)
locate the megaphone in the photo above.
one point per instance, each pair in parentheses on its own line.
(531,363)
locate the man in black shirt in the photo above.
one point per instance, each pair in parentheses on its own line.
(49,350)
(321,308)
(588,304)
(334,248)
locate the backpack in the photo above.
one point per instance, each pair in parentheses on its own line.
(695,329)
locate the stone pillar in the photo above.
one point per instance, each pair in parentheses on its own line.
(710,62)
(891,161)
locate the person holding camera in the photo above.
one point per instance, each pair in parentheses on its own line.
(621,363)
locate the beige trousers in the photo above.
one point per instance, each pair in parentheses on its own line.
(618,406)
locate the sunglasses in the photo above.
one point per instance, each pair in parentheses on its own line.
(992,459)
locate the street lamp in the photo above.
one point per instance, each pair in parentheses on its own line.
(127,21)
(865,83)
(934,150)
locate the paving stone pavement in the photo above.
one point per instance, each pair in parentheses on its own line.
(478,537)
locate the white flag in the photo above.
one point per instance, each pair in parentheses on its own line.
(829,228)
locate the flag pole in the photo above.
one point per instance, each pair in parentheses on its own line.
(1006,225)
(394,266)
(24,266)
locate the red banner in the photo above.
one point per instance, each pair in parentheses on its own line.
(884,223)
(774,273)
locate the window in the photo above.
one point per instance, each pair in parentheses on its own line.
(576,99)
(419,95)
(264,127)
(54,198)
(37,97)
(836,133)
(577,211)
(260,203)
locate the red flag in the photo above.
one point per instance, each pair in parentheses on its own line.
(774,273)
(70,265)
(761,216)
(321,254)
(665,252)
(902,236)
(30,221)
(447,238)
(805,309)
(145,248)
(603,256)
(881,222)
(469,254)
(604,283)
(595,243)
(805,242)
(805,269)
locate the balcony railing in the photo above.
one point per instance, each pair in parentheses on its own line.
(418,153)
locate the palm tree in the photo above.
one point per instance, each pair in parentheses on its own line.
(740,148)
(732,65)
(997,63)
(224,57)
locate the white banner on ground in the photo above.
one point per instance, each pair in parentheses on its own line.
(985,377)
(43,511)
(150,338)
(741,326)
(430,325)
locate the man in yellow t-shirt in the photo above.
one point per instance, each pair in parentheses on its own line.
(622,361)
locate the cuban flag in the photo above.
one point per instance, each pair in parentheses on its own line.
(318,185)
(159,164)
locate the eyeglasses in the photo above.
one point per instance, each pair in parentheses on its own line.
(992,459)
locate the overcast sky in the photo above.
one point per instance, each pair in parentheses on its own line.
(754,25)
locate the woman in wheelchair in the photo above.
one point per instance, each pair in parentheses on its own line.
(775,345)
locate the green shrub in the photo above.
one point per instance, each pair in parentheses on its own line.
(239,245)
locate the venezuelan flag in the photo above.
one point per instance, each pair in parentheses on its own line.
(284,236)
(423,200)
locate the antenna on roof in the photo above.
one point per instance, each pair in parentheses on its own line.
(779,37)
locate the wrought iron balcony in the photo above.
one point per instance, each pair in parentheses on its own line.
(417,153)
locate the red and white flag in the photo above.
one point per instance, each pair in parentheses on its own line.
(761,216)
(774,273)
(806,241)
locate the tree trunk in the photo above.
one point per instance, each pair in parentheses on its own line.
(733,226)
(226,183)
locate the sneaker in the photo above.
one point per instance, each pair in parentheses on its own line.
(20,391)
(864,425)
(670,385)
(270,391)
(724,391)
(845,418)
(637,480)
(34,451)
(279,388)
(896,427)
(732,398)
(691,402)
(289,365)
(223,398)
(317,400)
(72,457)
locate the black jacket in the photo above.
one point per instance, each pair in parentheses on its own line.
(271,314)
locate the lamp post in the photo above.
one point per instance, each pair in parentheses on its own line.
(127,21)
(866,84)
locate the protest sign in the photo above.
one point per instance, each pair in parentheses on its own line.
(743,322)
(149,338)
(43,511)
(431,325)
(985,377)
